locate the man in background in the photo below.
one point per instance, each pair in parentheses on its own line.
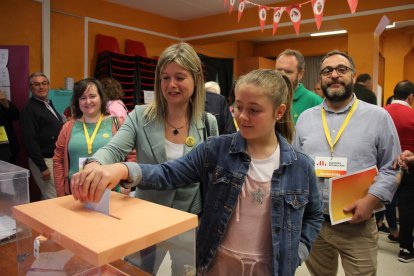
(403,117)
(217,105)
(292,63)
(41,125)
(9,147)
(362,89)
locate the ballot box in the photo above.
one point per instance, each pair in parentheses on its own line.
(14,190)
(69,239)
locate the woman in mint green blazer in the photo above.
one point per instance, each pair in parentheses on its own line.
(170,127)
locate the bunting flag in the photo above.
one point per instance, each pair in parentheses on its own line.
(277,14)
(294,12)
(353,5)
(317,7)
(241,9)
(262,16)
(295,16)
(232,2)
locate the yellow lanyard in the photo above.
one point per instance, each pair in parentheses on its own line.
(343,126)
(89,140)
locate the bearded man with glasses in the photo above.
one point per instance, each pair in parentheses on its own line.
(41,125)
(349,135)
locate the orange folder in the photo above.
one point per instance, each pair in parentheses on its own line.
(345,189)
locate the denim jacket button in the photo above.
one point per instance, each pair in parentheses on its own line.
(277,229)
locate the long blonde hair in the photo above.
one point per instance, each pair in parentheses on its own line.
(185,56)
(278,88)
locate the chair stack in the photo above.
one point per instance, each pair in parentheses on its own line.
(145,67)
(111,63)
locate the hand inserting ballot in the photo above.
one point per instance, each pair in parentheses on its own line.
(89,184)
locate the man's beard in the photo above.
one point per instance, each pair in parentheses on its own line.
(338,95)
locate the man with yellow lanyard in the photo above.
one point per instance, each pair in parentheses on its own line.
(344,135)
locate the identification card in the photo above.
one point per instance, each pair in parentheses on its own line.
(81,161)
(330,166)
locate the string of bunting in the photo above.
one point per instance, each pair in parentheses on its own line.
(294,12)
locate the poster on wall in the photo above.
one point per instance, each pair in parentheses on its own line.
(4,72)
(4,57)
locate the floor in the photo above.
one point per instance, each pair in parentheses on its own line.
(387,261)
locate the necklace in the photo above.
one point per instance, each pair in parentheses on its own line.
(176,129)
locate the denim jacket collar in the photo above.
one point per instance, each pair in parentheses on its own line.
(287,153)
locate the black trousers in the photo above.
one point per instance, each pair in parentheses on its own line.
(406,210)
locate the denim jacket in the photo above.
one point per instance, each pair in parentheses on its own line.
(221,165)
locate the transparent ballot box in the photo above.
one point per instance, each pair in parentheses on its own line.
(14,190)
(70,239)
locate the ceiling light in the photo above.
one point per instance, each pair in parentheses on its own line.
(329,33)
(390,26)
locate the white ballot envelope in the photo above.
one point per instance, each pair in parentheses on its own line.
(103,205)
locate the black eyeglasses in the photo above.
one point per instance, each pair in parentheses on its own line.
(340,69)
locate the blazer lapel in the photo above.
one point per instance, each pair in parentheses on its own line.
(196,131)
(154,132)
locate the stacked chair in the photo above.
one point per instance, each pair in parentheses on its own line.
(134,70)
(145,66)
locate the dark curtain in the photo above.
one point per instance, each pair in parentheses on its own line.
(219,70)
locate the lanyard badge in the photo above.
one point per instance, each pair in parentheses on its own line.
(333,166)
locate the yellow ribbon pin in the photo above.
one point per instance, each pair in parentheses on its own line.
(105,135)
(190,141)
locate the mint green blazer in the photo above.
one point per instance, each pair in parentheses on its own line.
(148,139)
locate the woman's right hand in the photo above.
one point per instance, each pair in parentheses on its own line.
(90,183)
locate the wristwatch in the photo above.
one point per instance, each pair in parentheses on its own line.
(90,160)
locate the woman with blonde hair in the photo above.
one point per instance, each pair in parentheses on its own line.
(170,127)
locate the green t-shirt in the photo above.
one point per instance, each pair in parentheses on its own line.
(78,147)
(302,100)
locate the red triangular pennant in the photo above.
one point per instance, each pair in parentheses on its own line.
(295,16)
(277,14)
(262,16)
(241,9)
(353,5)
(317,7)
(231,5)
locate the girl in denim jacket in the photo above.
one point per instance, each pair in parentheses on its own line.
(261,209)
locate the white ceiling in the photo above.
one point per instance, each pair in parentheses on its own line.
(183,9)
